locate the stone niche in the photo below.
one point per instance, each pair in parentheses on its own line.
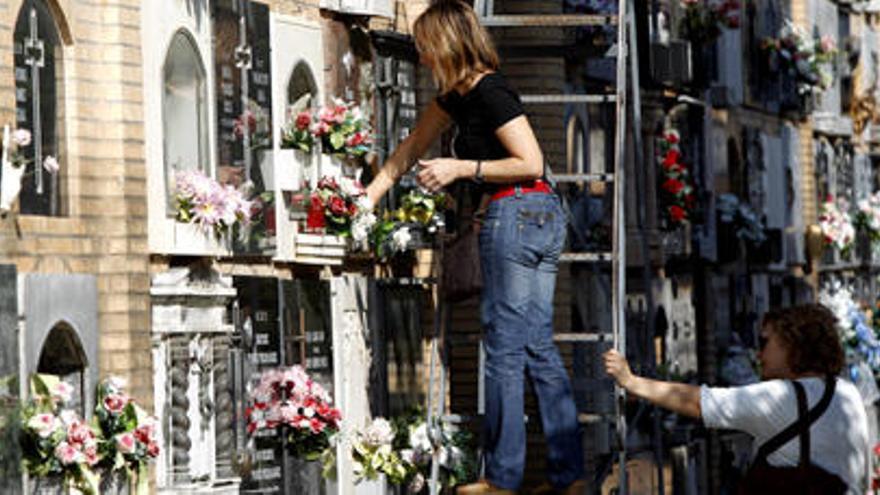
(194,377)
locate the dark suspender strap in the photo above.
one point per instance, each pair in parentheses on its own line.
(800,425)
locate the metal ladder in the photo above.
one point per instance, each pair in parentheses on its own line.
(626,60)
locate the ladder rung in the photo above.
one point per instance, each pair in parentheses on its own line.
(583,337)
(549,20)
(585,257)
(548,98)
(583,177)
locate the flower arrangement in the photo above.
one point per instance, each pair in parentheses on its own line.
(342,129)
(836,224)
(676,189)
(129,433)
(868,216)
(21,139)
(296,132)
(457,460)
(289,401)
(807,58)
(749,226)
(373,454)
(859,339)
(206,203)
(54,440)
(340,206)
(704,19)
(419,210)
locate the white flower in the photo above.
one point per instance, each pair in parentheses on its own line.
(379,433)
(21,137)
(51,164)
(361,227)
(400,239)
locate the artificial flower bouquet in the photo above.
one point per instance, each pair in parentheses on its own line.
(128,432)
(343,129)
(452,448)
(55,441)
(288,401)
(837,225)
(20,139)
(373,453)
(339,206)
(676,189)
(297,131)
(211,206)
(704,19)
(868,216)
(419,217)
(808,58)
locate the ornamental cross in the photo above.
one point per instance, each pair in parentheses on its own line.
(34,56)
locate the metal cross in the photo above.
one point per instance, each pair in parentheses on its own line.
(34,56)
(243,60)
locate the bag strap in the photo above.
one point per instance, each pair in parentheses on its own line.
(802,425)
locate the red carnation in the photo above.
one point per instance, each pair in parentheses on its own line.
(337,205)
(672,157)
(673,186)
(677,213)
(303,120)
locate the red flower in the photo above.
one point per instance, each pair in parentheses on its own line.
(877,450)
(671,138)
(676,213)
(337,206)
(671,158)
(303,120)
(673,186)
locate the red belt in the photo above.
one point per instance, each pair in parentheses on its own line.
(534,186)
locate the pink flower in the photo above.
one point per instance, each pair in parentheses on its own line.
(827,44)
(44,424)
(68,454)
(126,443)
(91,453)
(316,425)
(62,391)
(21,137)
(50,164)
(153,449)
(146,432)
(79,433)
(115,403)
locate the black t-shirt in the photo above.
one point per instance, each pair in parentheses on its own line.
(478,114)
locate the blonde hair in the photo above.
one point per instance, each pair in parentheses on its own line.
(450,31)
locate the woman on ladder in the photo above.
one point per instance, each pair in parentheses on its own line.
(520,242)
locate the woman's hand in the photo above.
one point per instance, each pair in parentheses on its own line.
(617,367)
(437,173)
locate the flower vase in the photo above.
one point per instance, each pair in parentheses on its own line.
(315,218)
(304,477)
(50,485)
(289,165)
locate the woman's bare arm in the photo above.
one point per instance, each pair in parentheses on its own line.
(678,397)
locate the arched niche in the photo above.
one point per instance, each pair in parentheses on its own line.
(63,355)
(61,329)
(301,87)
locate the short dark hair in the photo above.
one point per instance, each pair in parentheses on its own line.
(809,333)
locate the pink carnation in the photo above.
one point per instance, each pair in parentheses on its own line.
(68,454)
(126,443)
(115,403)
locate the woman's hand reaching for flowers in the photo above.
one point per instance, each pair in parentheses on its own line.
(438,173)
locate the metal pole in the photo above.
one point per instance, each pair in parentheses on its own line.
(244,64)
(35,60)
(619,263)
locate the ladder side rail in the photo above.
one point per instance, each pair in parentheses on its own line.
(619,239)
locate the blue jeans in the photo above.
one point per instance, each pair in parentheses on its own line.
(520,243)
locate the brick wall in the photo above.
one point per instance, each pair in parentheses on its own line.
(103,177)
